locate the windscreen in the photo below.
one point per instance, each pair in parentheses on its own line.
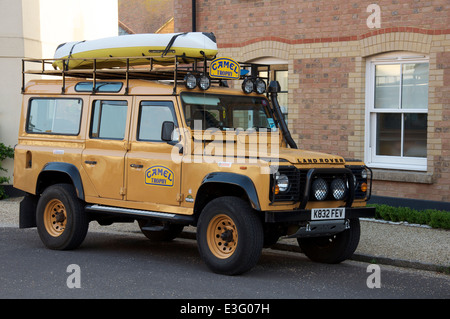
(227,112)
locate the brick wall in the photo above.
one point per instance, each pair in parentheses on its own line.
(326,44)
(237,21)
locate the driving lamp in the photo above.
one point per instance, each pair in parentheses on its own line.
(190,81)
(320,189)
(247,86)
(338,189)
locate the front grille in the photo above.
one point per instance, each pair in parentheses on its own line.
(301,184)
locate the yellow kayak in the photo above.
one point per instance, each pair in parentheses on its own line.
(161,47)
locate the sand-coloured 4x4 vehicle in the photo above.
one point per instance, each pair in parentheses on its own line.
(170,147)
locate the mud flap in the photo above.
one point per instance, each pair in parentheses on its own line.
(27,213)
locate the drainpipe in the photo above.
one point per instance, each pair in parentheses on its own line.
(194,16)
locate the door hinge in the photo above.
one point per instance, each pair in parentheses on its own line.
(180,197)
(122,191)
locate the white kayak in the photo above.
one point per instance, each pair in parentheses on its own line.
(161,47)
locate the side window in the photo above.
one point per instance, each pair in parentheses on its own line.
(54,116)
(109,119)
(151,117)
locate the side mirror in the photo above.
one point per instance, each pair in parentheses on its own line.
(167,130)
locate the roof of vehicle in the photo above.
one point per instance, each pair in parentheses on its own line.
(151,79)
(136,87)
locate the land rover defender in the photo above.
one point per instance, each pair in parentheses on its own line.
(171,147)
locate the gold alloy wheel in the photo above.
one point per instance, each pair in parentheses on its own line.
(222,236)
(55,217)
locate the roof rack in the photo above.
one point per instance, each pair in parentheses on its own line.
(175,70)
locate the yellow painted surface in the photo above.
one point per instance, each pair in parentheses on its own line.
(141,174)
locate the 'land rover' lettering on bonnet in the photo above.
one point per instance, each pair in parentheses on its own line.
(159,175)
(322,160)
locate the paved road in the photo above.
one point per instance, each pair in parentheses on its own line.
(130,266)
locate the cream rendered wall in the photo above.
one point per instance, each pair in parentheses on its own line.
(12,48)
(76,20)
(33,29)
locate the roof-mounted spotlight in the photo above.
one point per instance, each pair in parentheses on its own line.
(190,81)
(260,86)
(248,86)
(204,82)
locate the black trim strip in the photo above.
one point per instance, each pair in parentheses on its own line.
(174,218)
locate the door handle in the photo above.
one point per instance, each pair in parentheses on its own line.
(136,165)
(91,162)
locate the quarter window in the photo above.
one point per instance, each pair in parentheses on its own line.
(54,116)
(397,103)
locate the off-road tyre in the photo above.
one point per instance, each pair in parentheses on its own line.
(332,249)
(61,220)
(167,232)
(230,236)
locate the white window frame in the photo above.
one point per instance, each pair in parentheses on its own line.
(371,158)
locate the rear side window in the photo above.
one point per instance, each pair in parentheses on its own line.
(54,116)
(109,120)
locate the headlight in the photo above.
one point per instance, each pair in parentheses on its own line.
(364,173)
(282,181)
(320,189)
(338,189)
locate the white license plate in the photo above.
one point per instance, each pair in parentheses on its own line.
(327,213)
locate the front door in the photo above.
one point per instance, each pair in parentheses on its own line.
(152,176)
(106,146)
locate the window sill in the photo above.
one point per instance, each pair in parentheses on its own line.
(402,176)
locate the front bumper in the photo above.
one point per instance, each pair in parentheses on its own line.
(304,215)
(317,228)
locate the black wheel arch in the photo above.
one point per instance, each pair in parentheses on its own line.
(58,172)
(219,184)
